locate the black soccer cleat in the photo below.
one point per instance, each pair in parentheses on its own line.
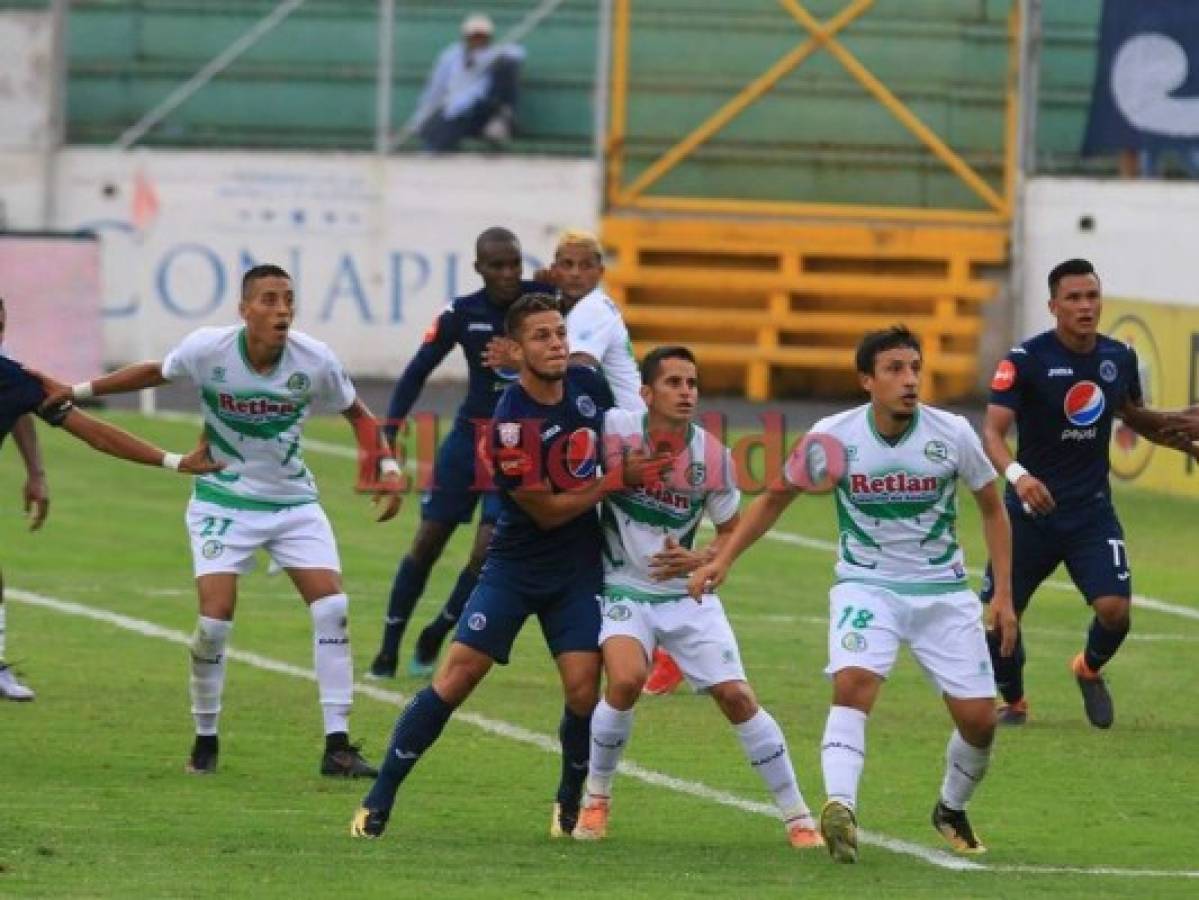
(1013,715)
(1096,699)
(347,762)
(383,666)
(953,825)
(368,823)
(202,760)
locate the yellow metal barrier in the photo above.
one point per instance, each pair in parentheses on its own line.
(764,300)
(777,293)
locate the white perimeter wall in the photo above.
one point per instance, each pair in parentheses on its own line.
(1143,240)
(377,246)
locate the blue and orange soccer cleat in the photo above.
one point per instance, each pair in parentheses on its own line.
(1096,699)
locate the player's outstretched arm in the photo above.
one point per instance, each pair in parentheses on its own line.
(1176,429)
(99,435)
(758,518)
(379,472)
(997,533)
(131,378)
(35,494)
(1031,491)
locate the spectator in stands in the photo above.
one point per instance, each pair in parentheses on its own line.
(471,91)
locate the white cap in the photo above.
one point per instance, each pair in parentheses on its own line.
(477,23)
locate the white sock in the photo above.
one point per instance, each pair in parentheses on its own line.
(3,618)
(610,729)
(843,754)
(965,766)
(208,671)
(331,659)
(764,745)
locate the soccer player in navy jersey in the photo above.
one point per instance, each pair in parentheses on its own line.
(543,561)
(473,322)
(1062,388)
(21,394)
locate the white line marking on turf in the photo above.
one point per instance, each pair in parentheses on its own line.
(545,742)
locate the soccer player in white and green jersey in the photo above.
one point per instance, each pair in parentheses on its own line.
(901,579)
(258,383)
(648,534)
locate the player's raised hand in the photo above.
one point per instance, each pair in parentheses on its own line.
(707,578)
(499,353)
(674,560)
(1034,495)
(388,496)
(200,461)
(37,501)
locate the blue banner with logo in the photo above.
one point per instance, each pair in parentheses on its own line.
(1146,90)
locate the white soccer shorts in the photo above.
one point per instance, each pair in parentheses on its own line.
(697,635)
(868,623)
(224,539)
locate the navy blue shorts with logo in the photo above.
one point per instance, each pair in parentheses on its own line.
(569,612)
(1088,539)
(454,494)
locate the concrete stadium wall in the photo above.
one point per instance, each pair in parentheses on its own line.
(377,246)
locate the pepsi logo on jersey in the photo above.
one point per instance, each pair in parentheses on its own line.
(1084,404)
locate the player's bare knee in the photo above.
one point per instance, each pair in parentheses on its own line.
(736,700)
(460,674)
(623,689)
(856,689)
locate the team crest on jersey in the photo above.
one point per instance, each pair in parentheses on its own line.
(509,434)
(298,382)
(476,622)
(212,549)
(1084,404)
(936,451)
(696,473)
(218,374)
(618,612)
(581,447)
(853,642)
(1107,371)
(585,405)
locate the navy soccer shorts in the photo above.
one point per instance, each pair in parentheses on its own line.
(569,613)
(455,489)
(1088,540)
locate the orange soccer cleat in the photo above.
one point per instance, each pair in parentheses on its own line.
(665,675)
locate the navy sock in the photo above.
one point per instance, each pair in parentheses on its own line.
(1102,644)
(575,734)
(418,726)
(429,644)
(406,588)
(1009,670)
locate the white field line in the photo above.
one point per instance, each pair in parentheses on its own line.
(550,745)
(783,537)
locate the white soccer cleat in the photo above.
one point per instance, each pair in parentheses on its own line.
(11,689)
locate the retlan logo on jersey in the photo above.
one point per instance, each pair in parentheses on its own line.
(256,407)
(1084,404)
(894,495)
(581,452)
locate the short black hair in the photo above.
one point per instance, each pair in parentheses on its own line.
(496,235)
(875,342)
(1069,267)
(266,270)
(652,364)
(527,305)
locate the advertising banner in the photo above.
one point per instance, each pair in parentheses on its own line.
(1166,339)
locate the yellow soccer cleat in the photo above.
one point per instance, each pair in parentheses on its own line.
(839,826)
(593,819)
(368,823)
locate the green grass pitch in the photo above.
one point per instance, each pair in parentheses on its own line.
(94,801)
